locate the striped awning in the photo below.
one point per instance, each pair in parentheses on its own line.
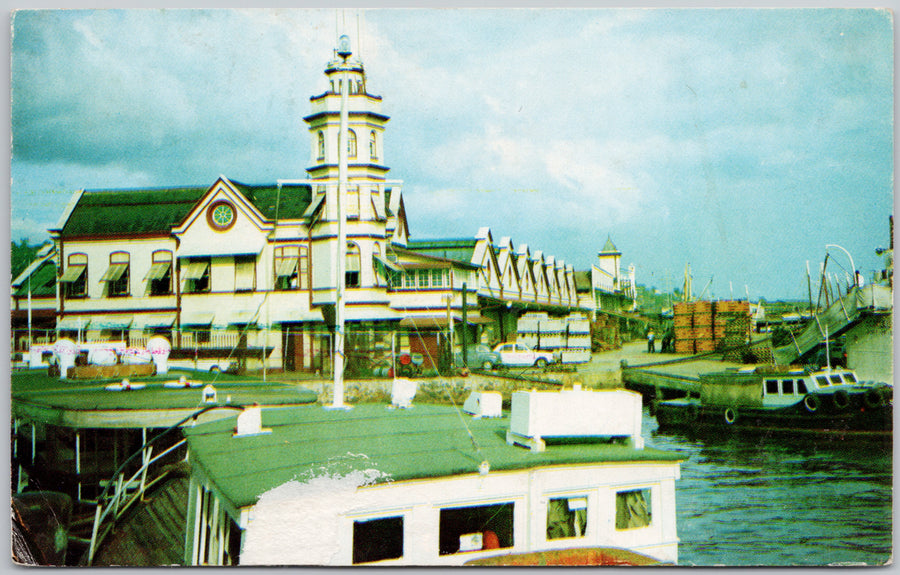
(158,271)
(73,323)
(286,267)
(114,272)
(297,315)
(242,316)
(112,322)
(197,318)
(166,320)
(387,263)
(72,273)
(195,270)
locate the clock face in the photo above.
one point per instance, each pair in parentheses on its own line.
(221,215)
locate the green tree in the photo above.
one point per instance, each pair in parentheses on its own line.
(21,256)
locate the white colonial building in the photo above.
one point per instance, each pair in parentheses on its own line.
(250,271)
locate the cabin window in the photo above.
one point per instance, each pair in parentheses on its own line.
(787,387)
(377,539)
(633,509)
(801,387)
(771,387)
(836,379)
(423,278)
(474,528)
(437,278)
(822,381)
(849,377)
(566,517)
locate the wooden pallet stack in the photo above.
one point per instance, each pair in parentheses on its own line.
(703,326)
(684,327)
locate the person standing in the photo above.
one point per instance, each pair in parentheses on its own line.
(651,344)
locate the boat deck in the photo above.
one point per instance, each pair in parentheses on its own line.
(674,377)
(37,396)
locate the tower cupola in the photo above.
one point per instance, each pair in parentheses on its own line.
(365,136)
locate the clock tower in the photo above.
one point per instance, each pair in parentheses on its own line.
(366,169)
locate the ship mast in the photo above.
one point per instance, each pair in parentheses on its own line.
(340,280)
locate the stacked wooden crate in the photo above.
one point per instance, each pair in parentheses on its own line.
(733,318)
(704,326)
(684,327)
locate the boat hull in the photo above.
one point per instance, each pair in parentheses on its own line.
(867,412)
(580,556)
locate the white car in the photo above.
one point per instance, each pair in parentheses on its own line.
(521,354)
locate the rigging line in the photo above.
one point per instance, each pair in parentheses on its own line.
(446,388)
(252,319)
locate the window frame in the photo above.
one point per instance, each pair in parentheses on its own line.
(573,518)
(353,259)
(453,525)
(203,284)
(385,531)
(163,285)
(76,289)
(648,499)
(373,146)
(121,286)
(241,262)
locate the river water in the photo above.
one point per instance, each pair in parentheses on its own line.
(780,501)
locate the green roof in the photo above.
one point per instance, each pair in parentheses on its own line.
(609,247)
(426,441)
(115,212)
(582,281)
(43,281)
(459,250)
(288,204)
(72,402)
(154,211)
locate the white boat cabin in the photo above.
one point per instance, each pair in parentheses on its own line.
(429,485)
(791,387)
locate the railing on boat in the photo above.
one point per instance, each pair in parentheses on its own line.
(125,493)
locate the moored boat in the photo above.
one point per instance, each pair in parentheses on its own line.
(792,399)
(563,471)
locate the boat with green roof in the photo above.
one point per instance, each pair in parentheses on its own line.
(431,485)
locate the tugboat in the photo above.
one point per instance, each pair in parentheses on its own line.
(794,399)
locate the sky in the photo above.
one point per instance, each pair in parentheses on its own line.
(740,142)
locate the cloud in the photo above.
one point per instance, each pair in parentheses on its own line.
(554,126)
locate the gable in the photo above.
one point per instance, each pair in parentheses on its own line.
(130,212)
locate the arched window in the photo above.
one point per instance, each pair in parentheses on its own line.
(321,146)
(160,274)
(351,271)
(373,149)
(74,278)
(117,274)
(351,144)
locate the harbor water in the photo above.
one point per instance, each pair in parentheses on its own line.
(764,500)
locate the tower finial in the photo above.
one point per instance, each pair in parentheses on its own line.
(344,50)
